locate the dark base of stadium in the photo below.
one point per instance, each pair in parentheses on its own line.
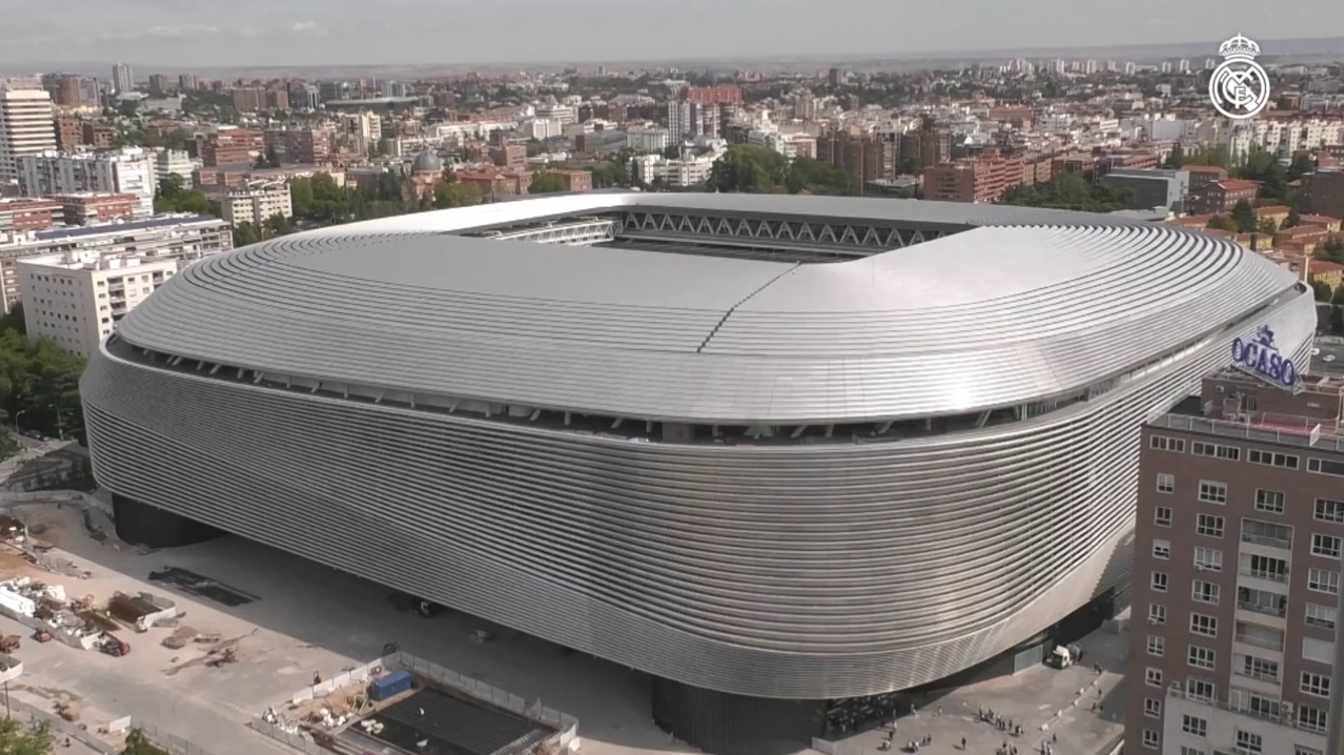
(727,724)
(142,524)
(720,722)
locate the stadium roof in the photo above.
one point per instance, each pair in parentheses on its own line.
(1030,304)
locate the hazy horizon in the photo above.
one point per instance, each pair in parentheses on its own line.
(190,34)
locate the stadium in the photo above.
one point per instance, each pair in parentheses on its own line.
(797,448)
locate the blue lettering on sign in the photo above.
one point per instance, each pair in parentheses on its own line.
(1263,358)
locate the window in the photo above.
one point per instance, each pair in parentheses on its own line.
(1262,601)
(1152,707)
(1259,636)
(1166,483)
(1209,525)
(1209,559)
(1248,743)
(1212,492)
(1315,684)
(1321,466)
(1188,750)
(1230,453)
(1266,567)
(1157,645)
(1304,750)
(1201,623)
(1327,546)
(1194,725)
(1200,657)
(1204,592)
(1150,739)
(1311,719)
(1320,616)
(1162,516)
(1258,668)
(1152,676)
(1157,613)
(1199,689)
(1266,533)
(1323,580)
(1165,443)
(1271,459)
(1160,581)
(1329,510)
(1162,549)
(1256,704)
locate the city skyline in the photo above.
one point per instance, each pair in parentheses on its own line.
(530,31)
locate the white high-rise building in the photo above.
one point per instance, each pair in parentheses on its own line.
(174,162)
(76,298)
(25,125)
(257,204)
(122,78)
(131,170)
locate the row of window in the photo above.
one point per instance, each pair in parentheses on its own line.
(1324,546)
(1269,501)
(1225,452)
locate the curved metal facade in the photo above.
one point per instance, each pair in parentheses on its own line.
(808,570)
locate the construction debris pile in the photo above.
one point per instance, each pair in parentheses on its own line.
(77,623)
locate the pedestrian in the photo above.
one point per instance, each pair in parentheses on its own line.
(963,744)
(1054,737)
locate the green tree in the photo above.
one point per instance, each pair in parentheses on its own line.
(277,225)
(816,177)
(546,183)
(301,197)
(1338,299)
(244,234)
(1294,217)
(448,195)
(1222,223)
(749,168)
(138,744)
(1267,227)
(19,739)
(1176,159)
(1243,216)
(1322,291)
(172,197)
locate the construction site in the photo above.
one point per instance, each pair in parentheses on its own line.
(228,647)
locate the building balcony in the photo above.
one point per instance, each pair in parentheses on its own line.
(1302,431)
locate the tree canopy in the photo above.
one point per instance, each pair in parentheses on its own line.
(18,738)
(546,183)
(172,197)
(758,169)
(1070,191)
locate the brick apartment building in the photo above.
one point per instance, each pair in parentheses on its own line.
(512,156)
(575,180)
(866,157)
(722,94)
(85,208)
(1325,192)
(1238,549)
(305,146)
(233,146)
(1219,197)
(982,179)
(23,214)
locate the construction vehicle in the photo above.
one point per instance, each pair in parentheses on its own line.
(1061,657)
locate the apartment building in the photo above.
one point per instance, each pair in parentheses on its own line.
(76,298)
(230,146)
(1239,541)
(179,237)
(982,179)
(130,170)
(24,214)
(26,125)
(89,208)
(257,204)
(174,162)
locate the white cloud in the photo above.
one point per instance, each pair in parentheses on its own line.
(306,27)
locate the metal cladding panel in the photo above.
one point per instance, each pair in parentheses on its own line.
(797,571)
(989,317)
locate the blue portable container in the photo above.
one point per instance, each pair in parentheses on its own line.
(388,685)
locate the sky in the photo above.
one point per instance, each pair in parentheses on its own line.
(210,33)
